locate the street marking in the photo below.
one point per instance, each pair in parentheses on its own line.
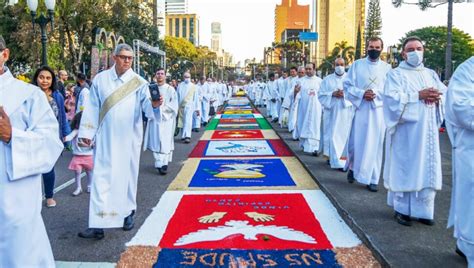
(66,184)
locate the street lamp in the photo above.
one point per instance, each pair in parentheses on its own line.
(42,21)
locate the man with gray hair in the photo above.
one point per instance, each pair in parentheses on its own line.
(112,122)
(29,146)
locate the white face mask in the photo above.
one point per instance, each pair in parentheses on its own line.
(187,80)
(415,58)
(340,70)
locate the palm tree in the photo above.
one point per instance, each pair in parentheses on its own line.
(340,50)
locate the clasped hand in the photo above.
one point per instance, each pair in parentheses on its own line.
(369,95)
(430,95)
(338,94)
(5,126)
(157,103)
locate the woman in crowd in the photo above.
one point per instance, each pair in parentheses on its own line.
(45,79)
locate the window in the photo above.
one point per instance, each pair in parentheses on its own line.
(185,30)
(191,28)
(176,27)
(170,26)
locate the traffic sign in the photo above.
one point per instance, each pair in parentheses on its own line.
(308,36)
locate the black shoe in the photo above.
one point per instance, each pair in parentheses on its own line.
(187,140)
(129,222)
(372,187)
(426,222)
(90,233)
(204,124)
(163,170)
(328,162)
(403,219)
(350,176)
(195,129)
(340,169)
(275,120)
(460,253)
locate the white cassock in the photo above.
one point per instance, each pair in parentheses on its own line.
(159,134)
(339,114)
(213,97)
(412,169)
(188,101)
(365,145)
(308,121)
(204,97)
(259,89)
(118,140)
(34,149)
(293,107)
(460,124)
(223,93)
(272,99)
(281,90)
(286,103)
(83,99)
(282,115)
(251,91)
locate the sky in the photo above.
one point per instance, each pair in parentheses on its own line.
(248,25)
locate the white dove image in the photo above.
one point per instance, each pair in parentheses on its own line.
(249,232)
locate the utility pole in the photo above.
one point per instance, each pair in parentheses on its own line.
(449,42)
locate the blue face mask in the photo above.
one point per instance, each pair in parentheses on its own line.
(414,58)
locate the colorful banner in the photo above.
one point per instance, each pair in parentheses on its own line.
(241,173)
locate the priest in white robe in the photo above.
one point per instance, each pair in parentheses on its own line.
(460,124)
(213,95)
(29,146)
(272,97)
(112,121)
(189,106)
(363,86)
(259,91)
(308,121)
(292,105)
(281,88)
(159,134)
(339,115)
(413,112)
(286,102)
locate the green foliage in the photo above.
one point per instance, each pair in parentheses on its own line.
(373,25)
(340,50)
(435,39)
(358,48)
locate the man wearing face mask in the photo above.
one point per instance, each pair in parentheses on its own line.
(189,105)
(363,87)
(413,114)
(338,114)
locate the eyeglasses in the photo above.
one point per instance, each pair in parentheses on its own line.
(123,57)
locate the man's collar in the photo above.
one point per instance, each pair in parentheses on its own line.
(123,77)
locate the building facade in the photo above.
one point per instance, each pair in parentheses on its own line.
(338,21)
(176,6)
(216,37)
(184,26)
(290,15)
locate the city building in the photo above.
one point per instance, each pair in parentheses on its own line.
(183,25)
(290,15)
(338,21)
(176,7)
(216,39)
(161,17)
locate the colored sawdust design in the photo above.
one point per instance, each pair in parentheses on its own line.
(238,121)
(237,134)
(357,257)
(238,112)
(297,174)
(241,148)
(257,221)
(236,116)
(139,256)
(245,258)
(237,126)
(267,134)
(263,123)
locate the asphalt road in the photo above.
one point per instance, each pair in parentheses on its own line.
(368,215)
(70,216)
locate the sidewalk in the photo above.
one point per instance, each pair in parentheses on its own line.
(368,214)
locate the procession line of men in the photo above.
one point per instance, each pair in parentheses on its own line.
(372,104)
(406,103)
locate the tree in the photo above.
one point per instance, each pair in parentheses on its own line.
(424,4)
(434,39)
(373,25)
(358,48)
(340,50)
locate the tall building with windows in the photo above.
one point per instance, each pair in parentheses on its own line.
(337,21)
(176,7)
(216,37)
(290,15)
(183,25)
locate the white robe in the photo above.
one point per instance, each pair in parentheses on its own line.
(365,145)
(159,134)
(83,99)
(213,97)
(308,121)
(460,124)
(117,147)
(190,108)
(204,92)
(338,116)
(259,91)
(292,107)
(412,152)
(34,149)
(272,94)
(281,90)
